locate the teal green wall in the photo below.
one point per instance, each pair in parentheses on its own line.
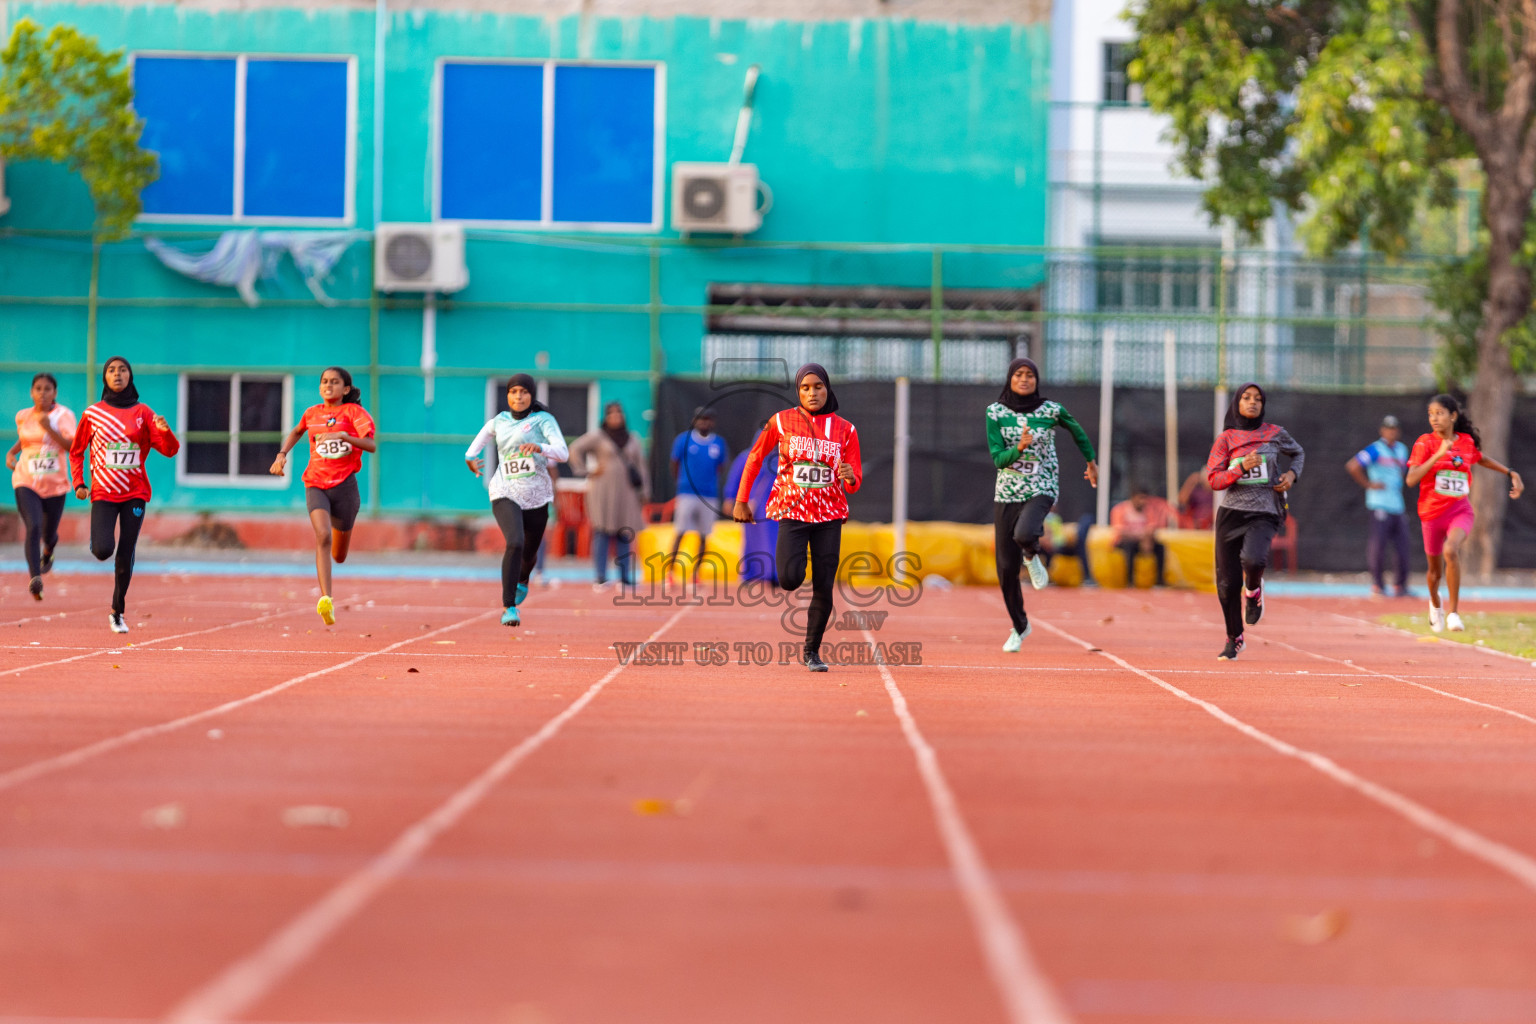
(876,131)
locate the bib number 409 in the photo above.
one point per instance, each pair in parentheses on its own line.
(812,474)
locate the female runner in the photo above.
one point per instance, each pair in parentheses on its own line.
(339,431)
(819,467)
(527,440)
(1019,434)
(118,430)
(1250,507)
(40,474)
(1441,467)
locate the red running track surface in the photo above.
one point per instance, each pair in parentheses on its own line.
(1110,826)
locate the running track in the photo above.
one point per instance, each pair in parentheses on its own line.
(1108,827)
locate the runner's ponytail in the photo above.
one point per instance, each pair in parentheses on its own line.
(1463,424)
(352,394)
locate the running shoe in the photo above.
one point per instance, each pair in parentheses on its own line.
(1253,601)
(115,620)
(1454,624)
(510,617)
(814,663)
(1038,576)
(327,610)
(36,588)
(1436,619)
(1232,650)
(1011,645)
(522,593)
(47,565)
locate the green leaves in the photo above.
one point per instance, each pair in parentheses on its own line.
(65,101)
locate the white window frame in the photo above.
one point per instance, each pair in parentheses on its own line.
(349,217)
(233,478)
(546,221)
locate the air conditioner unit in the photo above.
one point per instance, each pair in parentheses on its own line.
(419,258)
(719,198)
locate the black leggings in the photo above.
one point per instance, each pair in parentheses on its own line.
(40,518)
(825,542)
(1242,554)
(523,529)
(1017,526)
(117,524)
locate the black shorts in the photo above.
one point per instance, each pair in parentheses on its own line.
(343,502)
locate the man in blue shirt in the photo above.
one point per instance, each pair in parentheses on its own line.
(700,457)
(1380,470)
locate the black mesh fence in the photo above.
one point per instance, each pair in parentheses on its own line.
(951,476)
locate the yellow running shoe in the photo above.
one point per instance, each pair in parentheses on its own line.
(327,611)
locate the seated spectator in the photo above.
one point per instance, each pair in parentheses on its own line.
(1135,523)
(1197,504)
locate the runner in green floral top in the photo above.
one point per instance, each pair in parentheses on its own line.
(1019,434)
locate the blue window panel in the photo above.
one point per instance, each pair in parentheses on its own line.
(296,138)
(188,106)
(605,144)
(492,142)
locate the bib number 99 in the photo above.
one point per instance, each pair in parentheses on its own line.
(1251,476)
(812,474)
(335,448)
(1453,483)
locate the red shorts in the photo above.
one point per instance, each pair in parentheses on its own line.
(1458,516)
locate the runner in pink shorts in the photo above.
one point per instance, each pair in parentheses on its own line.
(1441,466)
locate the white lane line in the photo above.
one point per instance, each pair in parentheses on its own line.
(1027,993)
(1512,862)
(47,766)
(86,611)
(245,982)
(127,644)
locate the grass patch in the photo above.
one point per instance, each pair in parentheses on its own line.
(1510,632)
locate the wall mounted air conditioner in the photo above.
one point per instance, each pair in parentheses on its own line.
(717,198)
(419,258)
(5,202)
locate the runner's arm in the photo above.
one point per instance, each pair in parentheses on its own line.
(853,460)
(162,439)
(554,450)
(766,442)
(77,454)
(1004,454)
(1420,463)
(1290,446)
(472,453)
(1216,471)
(1065,419)
(1516,485)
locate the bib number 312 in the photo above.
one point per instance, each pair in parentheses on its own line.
(1453,483)
(813,474)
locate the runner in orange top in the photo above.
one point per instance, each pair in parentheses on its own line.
(339,432)
(1441,466)
(40,474)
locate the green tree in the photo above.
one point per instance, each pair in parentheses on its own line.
(1356,116)
(64,100)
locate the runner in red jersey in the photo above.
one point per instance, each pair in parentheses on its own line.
(339,432)
(1441,466)
(819,467)
(119,430)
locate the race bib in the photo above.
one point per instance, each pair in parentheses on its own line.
(519,467)
(812,474)
(1453,483)
(123,455)
(1024,467)
(1251,477)
(44,463)
(335,448)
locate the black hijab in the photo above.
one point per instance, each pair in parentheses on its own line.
(1236,420)
(819,371)
(524,381)
(620,434)
(1012,399)
(124,399)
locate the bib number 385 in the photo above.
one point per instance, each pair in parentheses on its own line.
(1453,483)
(812,474)
(333,448)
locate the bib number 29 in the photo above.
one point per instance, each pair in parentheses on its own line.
(812,474)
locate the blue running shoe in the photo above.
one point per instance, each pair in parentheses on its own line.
(510,618)
(522,593)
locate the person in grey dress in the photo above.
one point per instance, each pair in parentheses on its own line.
(617,487)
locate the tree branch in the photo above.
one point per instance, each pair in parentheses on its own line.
(1460,99)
